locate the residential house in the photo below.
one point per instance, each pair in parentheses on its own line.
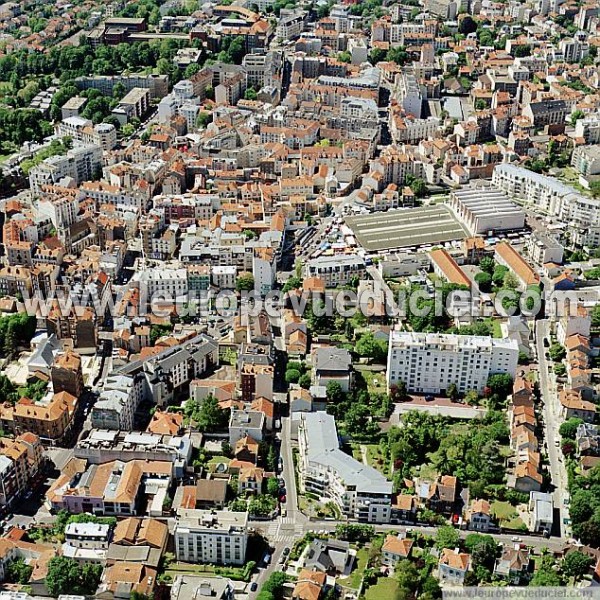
(453,567)
(394,549)
(514,565)
(479,516)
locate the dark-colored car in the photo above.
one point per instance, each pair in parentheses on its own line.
(253,586)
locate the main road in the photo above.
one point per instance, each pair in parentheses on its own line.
(552,421)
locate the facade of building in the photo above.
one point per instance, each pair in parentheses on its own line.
(217,537)
(361,492)
(431,362)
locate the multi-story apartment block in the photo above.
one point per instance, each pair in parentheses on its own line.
(171,282)
(580,213)
(216,537)
(20,461)
(158,85)
(67,375)
(81,163)
(361,492)
(431,362)
(50,419)
(336,270)
(134,104)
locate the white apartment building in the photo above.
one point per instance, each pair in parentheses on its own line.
(580,214)
(215,537)
(336,270)
(431,362)
(117,403)
(61,211)
(84,131)
(86,542)
(588,128)
(224,276)
(410,95)
(361,492)
(81,163)
(171,282)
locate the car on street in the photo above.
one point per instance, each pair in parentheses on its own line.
(253,586)
(286,551)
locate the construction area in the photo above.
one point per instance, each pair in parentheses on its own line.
(406,227)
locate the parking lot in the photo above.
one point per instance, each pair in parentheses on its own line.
(405,227)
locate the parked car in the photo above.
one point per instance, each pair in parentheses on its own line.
(253,586)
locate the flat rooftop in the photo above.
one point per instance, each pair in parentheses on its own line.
(405,227)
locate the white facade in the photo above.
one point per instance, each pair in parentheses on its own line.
(580,213)
(486,209)
(80,163)
(431,362)
(215,537)
(171,282)
(360,491)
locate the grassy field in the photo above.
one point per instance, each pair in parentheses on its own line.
(357,574)
(219,459)
(507,515)
(386,587)
(376,460)
(375,380)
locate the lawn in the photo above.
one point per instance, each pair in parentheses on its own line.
(503,510)
(357,574)
(496,330)
(376,460)
(507,515)
(375,381)
(386,587)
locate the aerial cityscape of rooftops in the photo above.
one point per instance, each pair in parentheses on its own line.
(299,299)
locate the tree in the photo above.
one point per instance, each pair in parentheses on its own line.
(578,114)
(595,316)
(487,264)
(510,281)
(399,55)
(483,549)
(208,415)
(376,55)
(293,283)
(446,537)
(484,281)
(273,486)
(398,392)
(305,381)
(203,119)
(245,282)
(19,572)
(500,384)
(546,575)
(292,376)
(419,187)
(262,505)
(452,392)
(568,429)
(158,331)
(576,564)
(250,94)
(354,533)
(345,57)
(467,25)
(66,576)
(335,393)
(498,274)
(557,352)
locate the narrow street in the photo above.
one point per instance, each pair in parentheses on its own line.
(552,421)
